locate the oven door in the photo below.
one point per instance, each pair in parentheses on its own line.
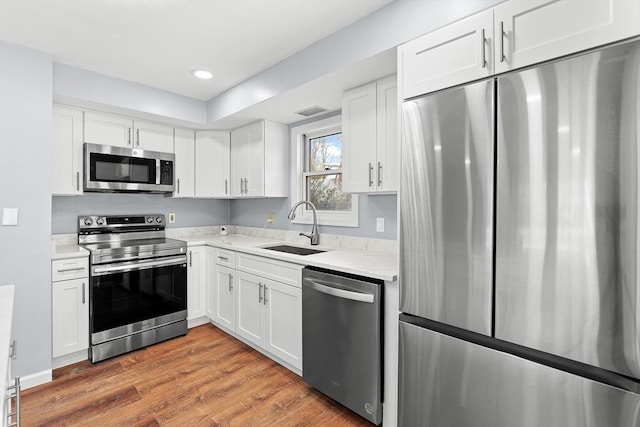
(130,297)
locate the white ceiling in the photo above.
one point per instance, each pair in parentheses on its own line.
(159,42)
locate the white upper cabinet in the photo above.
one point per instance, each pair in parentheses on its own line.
(67,151)
(259,166)
(452,55)
(108,129)
(153,136)
(212,164)
(512,35)
(184,148)
(529,31)
(369,137)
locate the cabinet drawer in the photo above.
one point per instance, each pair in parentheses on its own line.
(225,257)
(284,272)
(65,269)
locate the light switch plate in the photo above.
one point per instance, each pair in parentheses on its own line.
(380,225)
(9,216)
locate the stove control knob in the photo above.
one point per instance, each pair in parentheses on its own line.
(100,221)
(158,219)
(149,219)
(88,221)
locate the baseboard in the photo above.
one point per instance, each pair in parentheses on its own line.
(36,379)
(69,359)
(192,323)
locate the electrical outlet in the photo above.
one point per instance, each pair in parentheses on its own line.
(380,225)
(172,218)
(272,218)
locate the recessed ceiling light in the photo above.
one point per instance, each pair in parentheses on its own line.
(202,74)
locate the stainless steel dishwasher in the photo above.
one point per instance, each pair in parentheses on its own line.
(342,339)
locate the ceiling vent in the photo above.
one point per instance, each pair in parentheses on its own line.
(311,111)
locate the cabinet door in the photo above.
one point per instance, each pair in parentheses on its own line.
(67,151)
(196,282)
(239,154)
(254,184)
(387,165)
(223,299)
(107,129)
(153,136)
(249,299)
(283,323)
(455,54)
(359,139)
(70,316)
(569,26)
(247,160)
(184,148)
(212,164)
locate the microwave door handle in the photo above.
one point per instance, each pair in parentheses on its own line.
(137,265)
(158,171)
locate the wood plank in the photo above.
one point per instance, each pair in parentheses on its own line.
(206,378)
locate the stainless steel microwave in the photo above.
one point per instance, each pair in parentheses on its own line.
(118,169)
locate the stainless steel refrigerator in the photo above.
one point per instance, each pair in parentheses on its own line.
(520,250)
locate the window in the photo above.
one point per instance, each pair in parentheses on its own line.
(317,178)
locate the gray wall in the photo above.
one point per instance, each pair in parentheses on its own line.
(254,213)
(25,174)
(189,212)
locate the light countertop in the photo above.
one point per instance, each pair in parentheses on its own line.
(361,261)
(6,316)
(376,265)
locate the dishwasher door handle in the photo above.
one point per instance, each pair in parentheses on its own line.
(340,293)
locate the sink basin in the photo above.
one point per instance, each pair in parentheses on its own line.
(294,249)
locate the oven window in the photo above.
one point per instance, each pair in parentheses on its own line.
(112,168)
(123,298)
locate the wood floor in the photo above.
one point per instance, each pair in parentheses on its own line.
(205,378)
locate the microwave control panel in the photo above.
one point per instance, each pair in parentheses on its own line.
(166,172)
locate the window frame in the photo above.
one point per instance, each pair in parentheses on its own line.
(298,175)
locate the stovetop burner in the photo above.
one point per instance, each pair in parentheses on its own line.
(125,238)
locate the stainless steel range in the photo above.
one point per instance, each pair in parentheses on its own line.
(138,292)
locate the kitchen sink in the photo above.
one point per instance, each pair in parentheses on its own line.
(294,249)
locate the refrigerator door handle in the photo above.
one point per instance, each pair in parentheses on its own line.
(340,293)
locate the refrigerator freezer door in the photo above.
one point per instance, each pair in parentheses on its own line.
(448,382)
(446,206)
(567,233)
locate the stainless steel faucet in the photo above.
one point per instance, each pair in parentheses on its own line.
(314,235)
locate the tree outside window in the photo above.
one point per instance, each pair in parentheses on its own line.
(323,176)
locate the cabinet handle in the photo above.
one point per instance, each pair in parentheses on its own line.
(190,259)
(226,186)
(264,292)
(14,349)
(77,181)
(222,258)
(483,43)
(379,174)
(129,136)
(83,298)
(138,137)
(370,175)
(66,270)
(230,282)
(259,292)
(178,183)
(14,391)
(502,57)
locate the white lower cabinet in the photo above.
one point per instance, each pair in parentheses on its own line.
(197,279)
(259,300)
(70,316)
(70,310)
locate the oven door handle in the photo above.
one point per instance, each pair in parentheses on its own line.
(137,265)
